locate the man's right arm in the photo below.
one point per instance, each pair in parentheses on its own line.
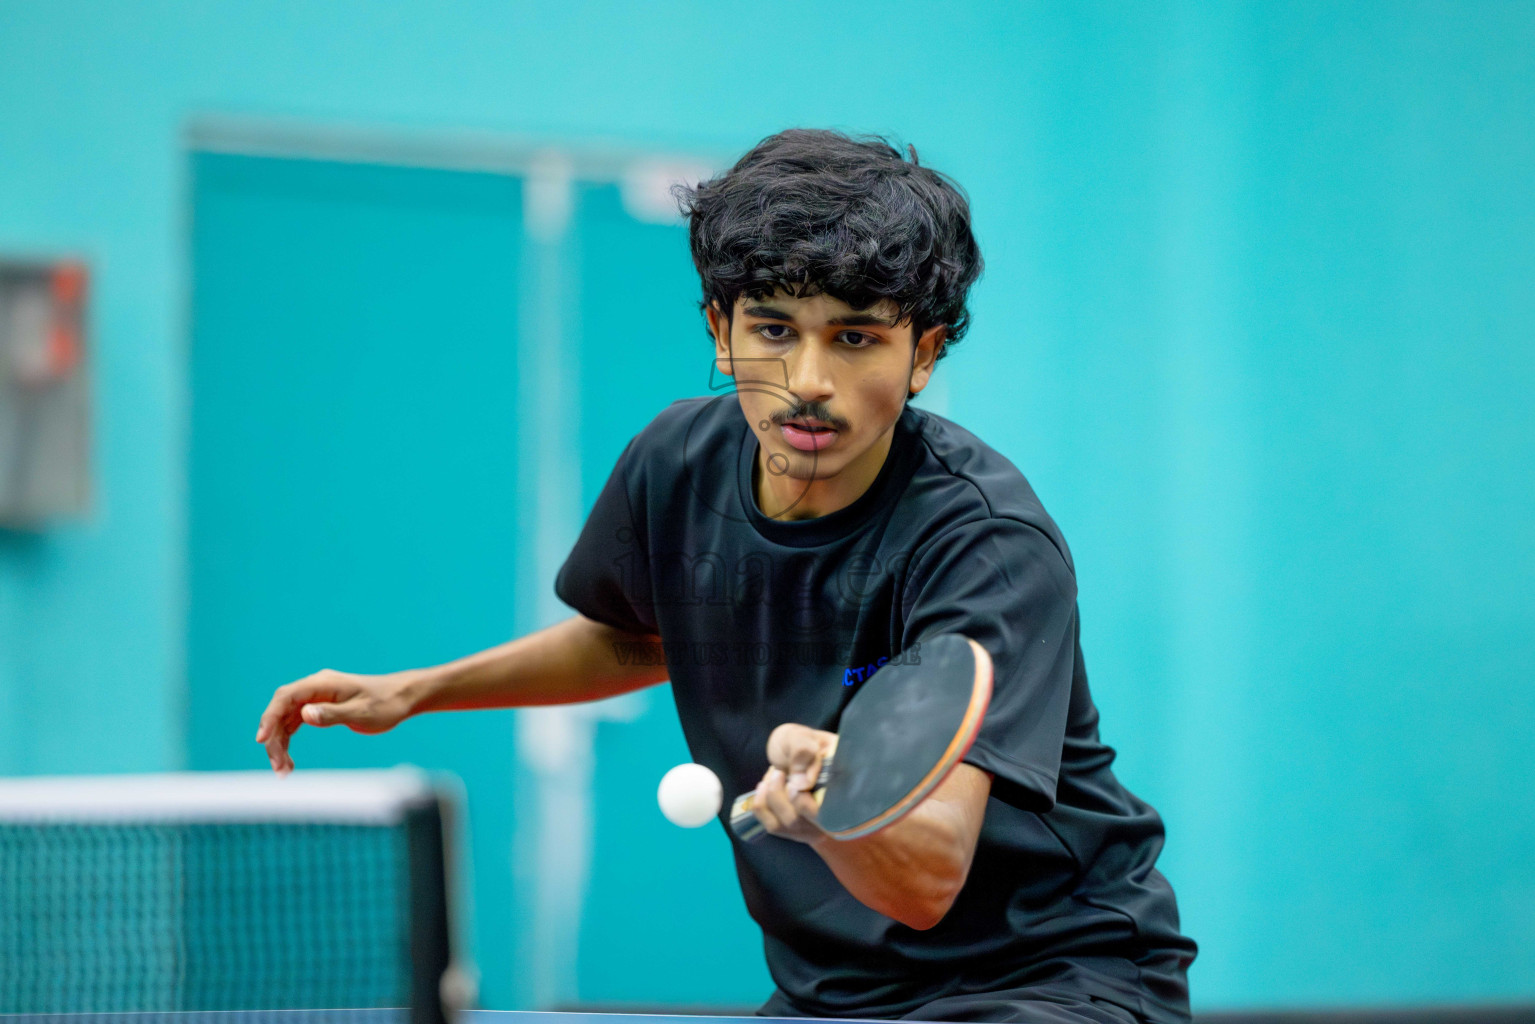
(578,659)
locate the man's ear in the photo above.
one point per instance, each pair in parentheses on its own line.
(925,355)
(719,326)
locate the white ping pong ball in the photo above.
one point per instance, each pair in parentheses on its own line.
(690,795)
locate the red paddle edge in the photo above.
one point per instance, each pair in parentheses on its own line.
(964,738)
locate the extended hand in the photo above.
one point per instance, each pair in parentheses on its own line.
(367,704)
(783,801)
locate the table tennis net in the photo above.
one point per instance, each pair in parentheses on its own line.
(221,891)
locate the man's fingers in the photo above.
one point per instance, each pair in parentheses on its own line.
(778,802)
(807,809)
(782,812)
(272,714)
(289,708)
(798,750)
(285,702)
(796,813)
(281,718)
(761,808)
(277,754)
(275,709)
(803,780)
(276,742)
(805,754)
(801,757)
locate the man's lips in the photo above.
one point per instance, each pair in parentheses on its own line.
(808,435)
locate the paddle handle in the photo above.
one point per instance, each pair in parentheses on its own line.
(745,824)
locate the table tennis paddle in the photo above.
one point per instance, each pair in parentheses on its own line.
(897,739)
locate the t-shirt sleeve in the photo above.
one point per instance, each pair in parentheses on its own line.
(606,576)
(1005,585)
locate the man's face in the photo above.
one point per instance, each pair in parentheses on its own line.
(821,384)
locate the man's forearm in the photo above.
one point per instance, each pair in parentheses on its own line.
(913,870)
(574,660)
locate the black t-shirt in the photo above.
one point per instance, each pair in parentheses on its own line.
(766,621)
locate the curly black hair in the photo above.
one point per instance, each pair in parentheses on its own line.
(812,210)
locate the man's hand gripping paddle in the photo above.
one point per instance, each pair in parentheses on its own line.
(899,737)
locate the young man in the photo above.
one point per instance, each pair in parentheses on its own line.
(777,546)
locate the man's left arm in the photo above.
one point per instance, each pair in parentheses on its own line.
(911,870)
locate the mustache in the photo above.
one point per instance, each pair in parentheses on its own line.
(809,411)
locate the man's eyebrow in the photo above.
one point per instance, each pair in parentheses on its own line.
(852,320)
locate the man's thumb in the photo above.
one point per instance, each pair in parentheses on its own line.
(321,714)
(801,759)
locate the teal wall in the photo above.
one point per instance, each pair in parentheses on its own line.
(1256,323)
(354,502)
(352,476)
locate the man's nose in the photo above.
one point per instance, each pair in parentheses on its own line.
(810,372)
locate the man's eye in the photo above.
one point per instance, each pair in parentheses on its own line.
(857,339)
